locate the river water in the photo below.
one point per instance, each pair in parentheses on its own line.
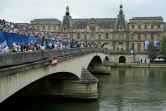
(125,89)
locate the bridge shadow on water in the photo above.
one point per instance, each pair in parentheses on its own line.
(41,103)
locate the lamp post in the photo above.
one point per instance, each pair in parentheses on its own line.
(131,42)
(71,37)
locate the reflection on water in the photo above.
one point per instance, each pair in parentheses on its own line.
(125,89)
(133,90)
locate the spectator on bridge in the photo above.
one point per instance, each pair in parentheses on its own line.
(27,46)
(15,46)
(1,21)
(19,47)
(36,46)
(31,47)
(1,27)
(61,42)
(23,47)
(6,49)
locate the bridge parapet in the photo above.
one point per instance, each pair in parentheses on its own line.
(25,57)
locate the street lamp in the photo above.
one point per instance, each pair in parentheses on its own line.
(71,37)
(131,42)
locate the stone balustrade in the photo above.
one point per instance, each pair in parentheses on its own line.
(17,58)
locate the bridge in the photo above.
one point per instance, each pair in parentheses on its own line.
(71,77)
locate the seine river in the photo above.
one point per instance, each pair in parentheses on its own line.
(125,89)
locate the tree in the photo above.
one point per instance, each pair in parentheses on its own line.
(163,47)
(152,51)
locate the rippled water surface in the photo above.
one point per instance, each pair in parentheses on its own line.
(125,89)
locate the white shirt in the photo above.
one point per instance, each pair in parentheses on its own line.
(15,46)
(6,49)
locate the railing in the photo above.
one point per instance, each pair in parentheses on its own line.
(17,58)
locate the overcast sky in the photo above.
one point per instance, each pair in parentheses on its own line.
(21,11)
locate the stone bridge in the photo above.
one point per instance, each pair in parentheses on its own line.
(33,72)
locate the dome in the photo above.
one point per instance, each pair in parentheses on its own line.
(67,10)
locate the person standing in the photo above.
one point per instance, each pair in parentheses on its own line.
(15,46)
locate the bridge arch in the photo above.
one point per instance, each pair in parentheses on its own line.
(107,45)
(107,59)
(96,61)
(122,59)
(93,44)
(63,75)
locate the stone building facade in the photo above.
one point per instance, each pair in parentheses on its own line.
(50,25)
(112,33)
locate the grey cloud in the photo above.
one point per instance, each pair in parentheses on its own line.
(26,10)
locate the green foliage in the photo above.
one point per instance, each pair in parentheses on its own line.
(163,47)
(152,51)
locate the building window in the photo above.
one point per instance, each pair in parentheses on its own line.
(120,36)
(85,36)
(38,27)
(49,28)
(132,26)
(92,35)
(139,36)
(65,35)
(54,27)
(43,27)
(99,36)
(133,46)
(139,46)
(139,26)
(152,36)
(106,35)
(146,26)
(158,26)
(152,26)
(78,35)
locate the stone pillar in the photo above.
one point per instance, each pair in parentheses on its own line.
(83,88)
(107,67)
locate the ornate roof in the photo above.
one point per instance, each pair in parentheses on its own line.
(103,23)
(146,19)
(45,21)
(66,23)
(121,22)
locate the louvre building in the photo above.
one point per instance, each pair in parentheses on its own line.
(112,33)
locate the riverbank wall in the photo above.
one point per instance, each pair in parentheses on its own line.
(137,65)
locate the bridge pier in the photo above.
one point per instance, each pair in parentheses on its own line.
(83,88)
(107,67)
(104,68)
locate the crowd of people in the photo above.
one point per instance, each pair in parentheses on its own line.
(29,31)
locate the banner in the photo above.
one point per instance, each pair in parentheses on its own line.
(146,45)
(3,39)
(8,38)
(156,43)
